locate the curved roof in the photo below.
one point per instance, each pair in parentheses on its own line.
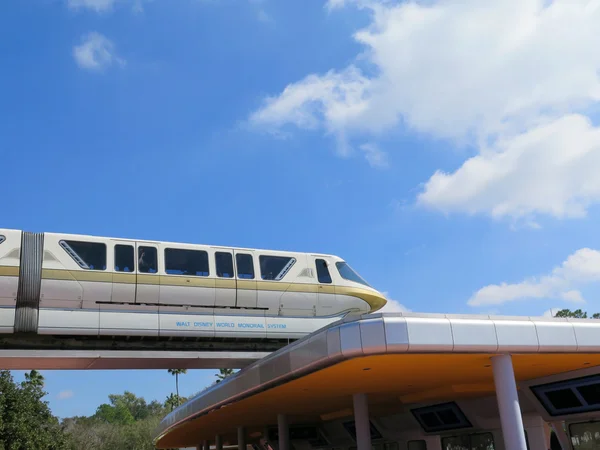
(397,358)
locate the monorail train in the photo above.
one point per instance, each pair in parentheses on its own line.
(63,284)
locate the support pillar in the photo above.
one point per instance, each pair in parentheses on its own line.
(562,437)
(283,429)
(206,445)
(241,438)
(361,422)
(218,442)
(508,403)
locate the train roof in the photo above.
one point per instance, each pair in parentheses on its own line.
(149,241)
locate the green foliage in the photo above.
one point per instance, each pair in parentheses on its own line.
(173,401)
(25,419)
(127,422)
(224,373)
(577,314)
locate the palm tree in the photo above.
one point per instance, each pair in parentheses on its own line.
(35,378)
(177,372)
(223,373)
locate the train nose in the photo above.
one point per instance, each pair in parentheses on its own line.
(375,300)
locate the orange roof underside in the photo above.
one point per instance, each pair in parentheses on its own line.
(390,381)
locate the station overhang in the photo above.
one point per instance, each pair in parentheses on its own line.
(397,359)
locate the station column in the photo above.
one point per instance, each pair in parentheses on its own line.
(241,438)
(508,403)
(218,442)
(284,432)
(361,422)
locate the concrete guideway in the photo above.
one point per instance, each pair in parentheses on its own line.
(395,370)
(124,359)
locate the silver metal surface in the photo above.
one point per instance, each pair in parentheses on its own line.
(393,333)
(30,281)
(108,359)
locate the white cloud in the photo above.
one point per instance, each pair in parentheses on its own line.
(550,169)
(95,5)
(510,78)
(374,156)
(392,306)
(563,282)
(63,395)
(95,52)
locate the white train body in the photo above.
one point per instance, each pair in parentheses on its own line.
(60,284)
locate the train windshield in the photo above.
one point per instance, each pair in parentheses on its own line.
(348,274)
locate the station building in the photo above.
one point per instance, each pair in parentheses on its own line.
(408,382)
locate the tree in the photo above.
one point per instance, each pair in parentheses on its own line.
(224,373)
(177,372)
(577,314)
(173,401)
(25,419)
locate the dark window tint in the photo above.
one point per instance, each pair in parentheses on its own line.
(431,420)
(445,416)
(224,262)
(479,441)
(89,255)
(585,436)
(482,441)
(572,396)
(275,267)
(590,393)
(2,239)
(323,271)
(147,260)
(124,258)
(245,266)
(348,274)
(563,399)
(186,262)
(455,443)
(448,416)
(417,445)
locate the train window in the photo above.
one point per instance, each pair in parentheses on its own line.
(147,260)
(186,262)
(89,255)
(224,262)
(124,258)
(348,274)
(275,267)
(245,266)
(2,239)
(322,271)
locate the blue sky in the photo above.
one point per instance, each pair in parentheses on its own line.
(389,134)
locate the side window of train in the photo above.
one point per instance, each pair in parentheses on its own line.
(2,239)
(275,267)
(323,271)
(89,255)
(224,262)
(147,260)
(124,258)
(245,266)
(186,262)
